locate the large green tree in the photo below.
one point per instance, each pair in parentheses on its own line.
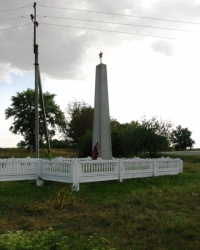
(158,126)
(80,120)
(22,110)
(181,138)
(157,135)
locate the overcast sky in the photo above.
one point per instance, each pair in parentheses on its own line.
(151,49)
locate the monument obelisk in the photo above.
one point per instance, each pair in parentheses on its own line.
(101,123)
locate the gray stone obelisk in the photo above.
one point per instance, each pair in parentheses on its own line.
(101,123)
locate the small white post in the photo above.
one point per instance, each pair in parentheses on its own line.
(121,168)
(39,181)
(154,167)
(181,166)
(75,175)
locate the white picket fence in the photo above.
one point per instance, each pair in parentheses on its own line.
(77,170)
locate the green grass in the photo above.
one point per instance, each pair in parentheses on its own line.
(150,213)
(22,152)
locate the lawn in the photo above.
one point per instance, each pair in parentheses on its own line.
(150,213)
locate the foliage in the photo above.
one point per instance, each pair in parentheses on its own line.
(20,240)
(47,240)
(117,148)
(84,146)
(114,124)
(22,110)
(154,142)
(181,138)
(55,143)
(159,127)
(79,122)
(134,138)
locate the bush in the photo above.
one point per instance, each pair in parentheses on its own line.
(37,240)
(49,239)
(84,147)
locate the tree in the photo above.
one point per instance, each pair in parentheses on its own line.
(148,136)
(79,122)
(55,143)
(22,110)
(159,127)
(181,138)
(134,138)
(154,142)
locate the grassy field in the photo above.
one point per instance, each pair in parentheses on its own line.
(150,213)
(22,152)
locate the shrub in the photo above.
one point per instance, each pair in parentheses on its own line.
(85,145)
(49,240)
(37,240)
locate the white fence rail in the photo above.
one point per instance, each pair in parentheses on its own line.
(77,171)
(18,169)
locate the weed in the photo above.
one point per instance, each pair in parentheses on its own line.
(63,197)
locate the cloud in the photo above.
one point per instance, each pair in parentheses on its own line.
(177,10)
(62,50)
(65,51)
(162,47)
(7,71)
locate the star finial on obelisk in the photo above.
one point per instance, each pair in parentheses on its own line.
(100,56)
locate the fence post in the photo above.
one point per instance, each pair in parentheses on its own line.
(181,166)
(154,167)
(39,181)
(75,175)
(121,168)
